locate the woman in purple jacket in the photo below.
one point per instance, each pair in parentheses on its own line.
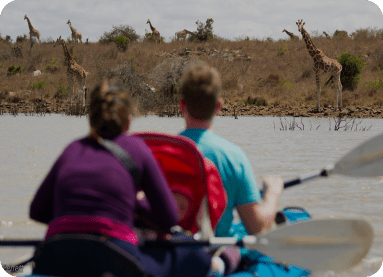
(88,190)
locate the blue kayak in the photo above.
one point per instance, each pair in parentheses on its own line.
(256,264)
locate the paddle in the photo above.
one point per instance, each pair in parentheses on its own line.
(325,244)
(366,160)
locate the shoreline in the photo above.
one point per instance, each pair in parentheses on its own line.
(234,110)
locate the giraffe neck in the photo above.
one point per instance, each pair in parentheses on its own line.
(72,29)
(151,27)
(67,55)
(29,24)
(290,34)
(309,43)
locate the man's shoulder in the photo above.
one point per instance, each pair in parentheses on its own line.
(210,142)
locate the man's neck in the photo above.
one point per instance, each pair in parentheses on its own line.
(192,123)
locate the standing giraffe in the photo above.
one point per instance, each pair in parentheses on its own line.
(74,72)
(183,34)
(155,34)
(75,35)
(327,36)
(32,32)
(322,64)
(292,36)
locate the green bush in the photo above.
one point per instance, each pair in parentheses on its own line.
(121,42)
(61,91)
(351,68)
(52,66)
(12,70)
(148,37)
(286,85)
(377,84)
(37,85)
(122,30)
(283,49)
(204,31)
(340,34)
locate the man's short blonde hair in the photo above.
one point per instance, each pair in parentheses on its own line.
(200,89)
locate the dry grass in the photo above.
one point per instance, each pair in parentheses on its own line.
(279,78)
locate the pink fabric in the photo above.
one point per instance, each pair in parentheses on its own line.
(87,224)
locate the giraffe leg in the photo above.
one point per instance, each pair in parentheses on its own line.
(337,94)
(83,92)
(318,90)
(70,81)
(339,88)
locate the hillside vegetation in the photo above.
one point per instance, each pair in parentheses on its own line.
(256,72)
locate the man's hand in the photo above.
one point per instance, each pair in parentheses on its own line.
(274,185)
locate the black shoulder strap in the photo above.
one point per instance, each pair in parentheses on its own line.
(124,157)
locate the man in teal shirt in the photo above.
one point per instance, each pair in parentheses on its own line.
(200,101)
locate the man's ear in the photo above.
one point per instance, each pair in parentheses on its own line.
(182,105)
(219,106)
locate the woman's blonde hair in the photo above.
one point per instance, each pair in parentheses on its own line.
(110,106)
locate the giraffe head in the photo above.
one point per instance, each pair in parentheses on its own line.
(300,25)
(58,41)
(284,30)
(69,22)
(25,17)
(147,22)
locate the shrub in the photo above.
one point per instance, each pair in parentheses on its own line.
(148,37)
(61,91)
(12,70)
(340,34)
(21,39)
(121,42)
(351,68)
(257,101)
(37,85)
(377,84)
(285,84)
(122,30)
(204,31)
(283,49)
(52,66)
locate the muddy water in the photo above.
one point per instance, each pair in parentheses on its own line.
(30,144)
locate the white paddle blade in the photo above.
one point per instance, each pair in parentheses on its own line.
(364,161)
(327,244)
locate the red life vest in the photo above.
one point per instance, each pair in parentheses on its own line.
(186,169)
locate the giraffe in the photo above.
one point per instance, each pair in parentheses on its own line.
(327,35)
(292,36)
(155,34)
(73,72)
(182,34)
(75,35)
(322,64)
(32,32)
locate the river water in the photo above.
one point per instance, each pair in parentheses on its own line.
(30,144)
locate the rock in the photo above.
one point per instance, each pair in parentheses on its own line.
(36,73)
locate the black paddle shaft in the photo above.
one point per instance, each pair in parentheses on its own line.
(300,179)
